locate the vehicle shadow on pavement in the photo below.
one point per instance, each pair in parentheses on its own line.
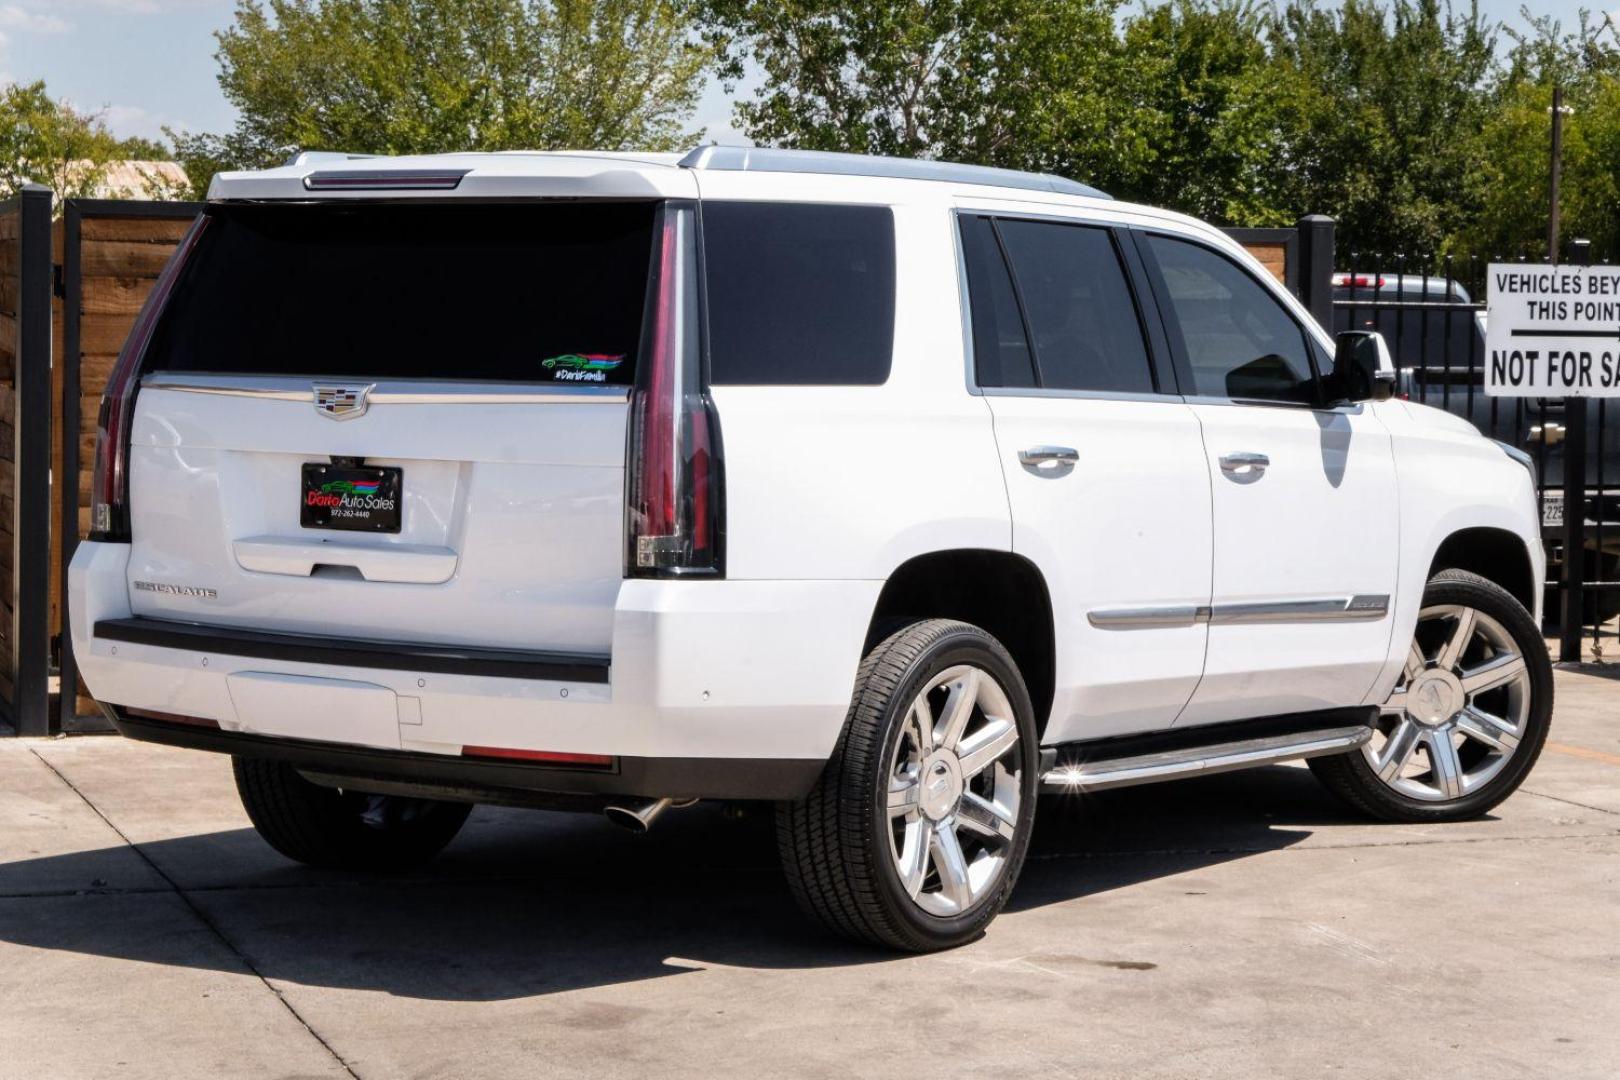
(526,903)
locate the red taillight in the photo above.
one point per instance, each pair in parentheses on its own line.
(552,757)
(109,486)
(673,511)
(1358,281)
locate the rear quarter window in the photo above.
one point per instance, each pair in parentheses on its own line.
(799,294)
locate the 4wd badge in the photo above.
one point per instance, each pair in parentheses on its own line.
(341,402)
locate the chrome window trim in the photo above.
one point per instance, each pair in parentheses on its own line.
(1083,395)
(1361,607)
(964,299)
(387,391)
(1350,408)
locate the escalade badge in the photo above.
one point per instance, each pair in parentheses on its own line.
(341,402)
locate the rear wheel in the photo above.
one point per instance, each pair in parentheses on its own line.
(1467,718)
(914,836)
(342,830)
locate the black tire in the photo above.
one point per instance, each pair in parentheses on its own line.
(1352,778)
(342,830)
(834,842)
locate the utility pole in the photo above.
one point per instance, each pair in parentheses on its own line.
(1555,171)
(1572,610)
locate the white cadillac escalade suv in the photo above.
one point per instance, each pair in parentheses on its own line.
(894,493)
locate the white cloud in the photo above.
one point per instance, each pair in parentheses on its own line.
(127,120)
(13,17)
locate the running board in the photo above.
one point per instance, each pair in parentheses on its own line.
(1109,763)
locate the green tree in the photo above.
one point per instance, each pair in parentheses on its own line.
(1204,114)
(1016,83)
(1384,109)
(431,76)
(48,142)
(1512,218)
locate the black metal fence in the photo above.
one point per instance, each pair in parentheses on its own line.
(1432,313)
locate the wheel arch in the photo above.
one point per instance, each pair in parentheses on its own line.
(1498,555)
(1004,594)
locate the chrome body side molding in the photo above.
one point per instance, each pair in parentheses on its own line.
(1361,606)
(1146,618)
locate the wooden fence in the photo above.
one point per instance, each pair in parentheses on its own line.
(112,252)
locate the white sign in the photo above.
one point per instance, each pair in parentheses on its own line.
(1552,331)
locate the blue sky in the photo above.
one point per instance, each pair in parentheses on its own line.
(147,63)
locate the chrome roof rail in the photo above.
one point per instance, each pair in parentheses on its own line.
(765,159)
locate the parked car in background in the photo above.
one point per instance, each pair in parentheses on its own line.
(899,494)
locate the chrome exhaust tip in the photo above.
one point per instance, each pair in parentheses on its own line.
(639,817)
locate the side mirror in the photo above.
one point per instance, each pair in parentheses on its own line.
(1362,368)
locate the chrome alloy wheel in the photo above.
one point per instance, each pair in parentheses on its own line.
(1460,709)
(954,791)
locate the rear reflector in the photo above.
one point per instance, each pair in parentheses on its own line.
(386,180)
(550,757)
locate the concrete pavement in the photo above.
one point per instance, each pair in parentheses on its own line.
(1242,925)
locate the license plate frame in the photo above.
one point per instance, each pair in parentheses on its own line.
(351,498)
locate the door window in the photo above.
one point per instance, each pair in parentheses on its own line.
(1087,335)
(1000,348)
(1238,338)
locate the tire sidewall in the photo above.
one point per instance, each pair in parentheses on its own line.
(1471,591)
(961,645)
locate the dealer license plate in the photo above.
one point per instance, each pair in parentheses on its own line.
(360,498)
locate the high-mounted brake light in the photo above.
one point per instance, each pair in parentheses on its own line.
(674,523)
(1358,281)
(385,180)
(109,486)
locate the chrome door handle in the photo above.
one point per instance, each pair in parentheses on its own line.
(1048,455)
(1244,459)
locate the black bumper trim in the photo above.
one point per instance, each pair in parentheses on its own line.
(689,778)
(356,652)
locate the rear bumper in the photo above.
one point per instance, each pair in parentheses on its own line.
(495,781)
(716,680)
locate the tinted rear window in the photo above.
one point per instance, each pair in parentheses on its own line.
(525,293)
(799,294)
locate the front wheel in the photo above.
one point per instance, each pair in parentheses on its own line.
(915,833)
(1467,718)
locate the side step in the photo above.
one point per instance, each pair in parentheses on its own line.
(1170,755)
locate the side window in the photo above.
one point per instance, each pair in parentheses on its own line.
(1000,349)
(1240,341)
(1087,335)
(799,293)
